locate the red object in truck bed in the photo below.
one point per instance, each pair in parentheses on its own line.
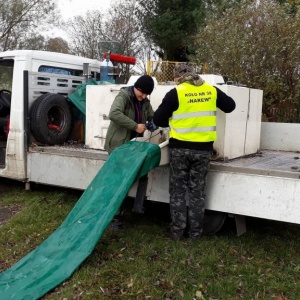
(121,58)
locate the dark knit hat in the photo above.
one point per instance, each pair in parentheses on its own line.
(145,84)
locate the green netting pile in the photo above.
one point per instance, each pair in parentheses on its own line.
(63,251)
(78,98)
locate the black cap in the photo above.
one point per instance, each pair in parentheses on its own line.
(145,84)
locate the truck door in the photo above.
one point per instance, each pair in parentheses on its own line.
(6,75)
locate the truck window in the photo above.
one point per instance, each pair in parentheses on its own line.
(61,71)
(6,73)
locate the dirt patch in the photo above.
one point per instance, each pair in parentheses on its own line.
(7,212)
(4,188)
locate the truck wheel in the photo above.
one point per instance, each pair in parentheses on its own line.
(213,221)
(50,119)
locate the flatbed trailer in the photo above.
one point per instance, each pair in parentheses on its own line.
(254,171)
(263,185)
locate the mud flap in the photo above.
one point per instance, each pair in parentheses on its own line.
(138,206)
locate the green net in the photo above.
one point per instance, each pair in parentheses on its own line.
(65,249)
(78,98)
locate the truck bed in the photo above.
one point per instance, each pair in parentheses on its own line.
(72,150)
(71,166)
(266,162)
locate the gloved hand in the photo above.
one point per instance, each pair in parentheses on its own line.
(151,126)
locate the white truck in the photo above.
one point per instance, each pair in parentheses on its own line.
(45,139)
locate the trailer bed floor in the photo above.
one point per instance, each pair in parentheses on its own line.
(76,150)
(266,162)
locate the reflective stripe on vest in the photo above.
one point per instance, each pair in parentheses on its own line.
(194,114)
(195,129)
(195,118)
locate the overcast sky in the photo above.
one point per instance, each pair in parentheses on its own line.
(71,8)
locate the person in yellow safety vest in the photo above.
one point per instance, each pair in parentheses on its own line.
(190,111)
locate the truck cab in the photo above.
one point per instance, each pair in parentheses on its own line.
(25,76)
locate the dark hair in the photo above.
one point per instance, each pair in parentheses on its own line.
(181,69)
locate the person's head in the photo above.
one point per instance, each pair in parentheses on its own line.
(143,87)
(180,69)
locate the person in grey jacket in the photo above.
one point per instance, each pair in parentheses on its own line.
(130,111)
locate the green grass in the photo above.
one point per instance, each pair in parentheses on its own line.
(141,262)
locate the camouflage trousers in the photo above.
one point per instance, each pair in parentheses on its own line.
(188,176)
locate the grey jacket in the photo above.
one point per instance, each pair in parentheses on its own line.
(122,115)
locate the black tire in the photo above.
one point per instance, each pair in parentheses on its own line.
(50,119)
(213,221)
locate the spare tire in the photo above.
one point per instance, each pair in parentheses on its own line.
(51,119)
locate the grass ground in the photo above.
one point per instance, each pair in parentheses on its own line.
(141,262)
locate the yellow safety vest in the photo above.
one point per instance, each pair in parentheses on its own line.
(195,119)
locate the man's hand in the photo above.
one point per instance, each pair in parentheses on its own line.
(151,126)
(140,128)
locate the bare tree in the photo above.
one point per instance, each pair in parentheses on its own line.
(57,44)
(123,25)
(20,19)
(118,31)
(85,34)
(33,41)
